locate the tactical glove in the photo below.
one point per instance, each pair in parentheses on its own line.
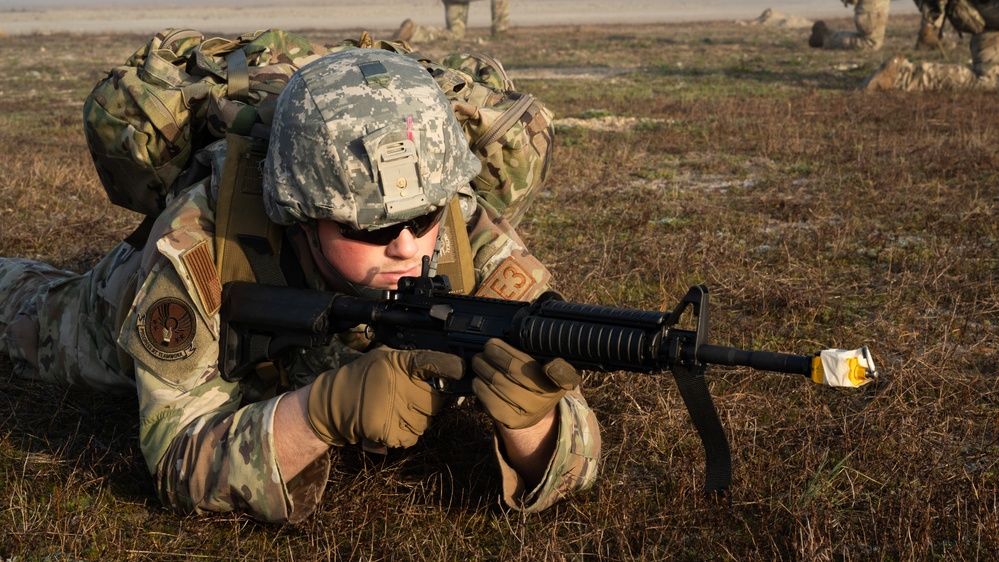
(515,389)
(382,396)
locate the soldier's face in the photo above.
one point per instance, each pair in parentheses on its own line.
(373,265)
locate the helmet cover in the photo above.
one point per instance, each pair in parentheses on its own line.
(365,138)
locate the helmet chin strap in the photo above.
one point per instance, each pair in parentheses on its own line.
(336,279)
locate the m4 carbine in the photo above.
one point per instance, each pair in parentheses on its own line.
(262,323)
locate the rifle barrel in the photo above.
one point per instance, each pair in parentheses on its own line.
(763,360)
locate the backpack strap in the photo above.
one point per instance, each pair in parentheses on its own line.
(503,124)
(247,242)
(248,245)
(238,75)
(137,239)
(455,251)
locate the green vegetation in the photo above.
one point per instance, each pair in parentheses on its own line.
(819,216)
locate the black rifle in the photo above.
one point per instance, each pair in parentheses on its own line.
(263,323)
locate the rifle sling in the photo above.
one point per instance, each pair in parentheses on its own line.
(696,396)
(138,238)
(262,261)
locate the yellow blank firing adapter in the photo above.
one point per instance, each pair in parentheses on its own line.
(842,367)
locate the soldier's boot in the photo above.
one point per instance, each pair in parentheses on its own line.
(887,76)
(818,37)
(928,38)
(405,32)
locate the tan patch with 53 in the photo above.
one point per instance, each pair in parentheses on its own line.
(510,281)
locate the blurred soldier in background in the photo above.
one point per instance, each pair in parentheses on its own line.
(456,15)
(871,19)
(980,18)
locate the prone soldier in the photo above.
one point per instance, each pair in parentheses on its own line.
(976,17)
(871,20)
(364,161)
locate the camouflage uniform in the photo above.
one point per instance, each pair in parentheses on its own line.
(147,321)
(209,449)
(871,20)
(456,18)
(979,18)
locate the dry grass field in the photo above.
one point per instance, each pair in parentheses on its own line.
(819,215)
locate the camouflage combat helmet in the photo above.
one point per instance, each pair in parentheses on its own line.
(366,138)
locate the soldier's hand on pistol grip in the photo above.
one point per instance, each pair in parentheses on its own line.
(382,396)
(514,388)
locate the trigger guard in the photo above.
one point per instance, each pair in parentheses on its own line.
(450,387)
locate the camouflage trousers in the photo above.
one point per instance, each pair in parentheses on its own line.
(456,18)
(871,19)
(931,13)
(900,74)
(60,327)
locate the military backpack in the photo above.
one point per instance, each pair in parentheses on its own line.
(181,91)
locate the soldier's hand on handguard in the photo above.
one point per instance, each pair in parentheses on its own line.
(515,389)
(382,396)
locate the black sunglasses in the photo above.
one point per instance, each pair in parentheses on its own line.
(419,226)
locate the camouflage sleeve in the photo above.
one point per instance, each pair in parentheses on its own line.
(206,452)
(572,468)
(504,268)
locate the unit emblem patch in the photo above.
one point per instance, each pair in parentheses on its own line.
(167,329)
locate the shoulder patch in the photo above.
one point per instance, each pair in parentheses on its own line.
(167,329)
(509,281)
